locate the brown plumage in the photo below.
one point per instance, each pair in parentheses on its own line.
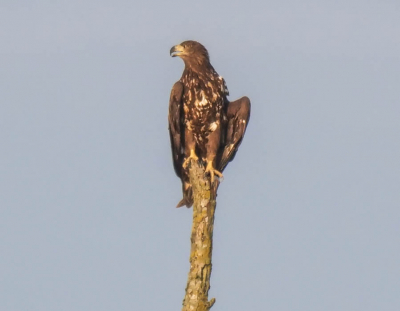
(203,124)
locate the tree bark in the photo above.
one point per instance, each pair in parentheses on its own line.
(198,284)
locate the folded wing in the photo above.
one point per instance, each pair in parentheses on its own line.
(175,127)
(238,115)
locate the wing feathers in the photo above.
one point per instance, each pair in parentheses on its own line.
(238,115)
(175,130)
(176,134)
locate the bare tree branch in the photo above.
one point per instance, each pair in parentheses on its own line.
(198,284)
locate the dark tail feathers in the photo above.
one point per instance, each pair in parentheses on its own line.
(187,195)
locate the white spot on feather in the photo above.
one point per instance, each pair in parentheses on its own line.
(203,100)
(213,126)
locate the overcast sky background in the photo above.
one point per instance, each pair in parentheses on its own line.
(308,216)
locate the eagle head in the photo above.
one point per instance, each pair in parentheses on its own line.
(192,53)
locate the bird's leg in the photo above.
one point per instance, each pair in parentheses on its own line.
(192,156)
(210,169)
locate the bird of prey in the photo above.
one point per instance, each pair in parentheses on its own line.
(203,125)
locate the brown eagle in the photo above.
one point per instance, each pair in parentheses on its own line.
(203,124)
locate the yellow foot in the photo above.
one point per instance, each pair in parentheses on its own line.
(192,156)
(210,169)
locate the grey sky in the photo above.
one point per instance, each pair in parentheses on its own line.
(308,215)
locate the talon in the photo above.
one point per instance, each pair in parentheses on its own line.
(210,169)
(192,156)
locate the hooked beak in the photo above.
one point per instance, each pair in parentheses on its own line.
(176,50)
